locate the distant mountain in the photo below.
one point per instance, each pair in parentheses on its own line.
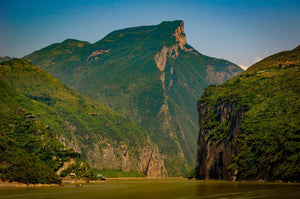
(105,139)
(6,58)
(249,126)
(149,74)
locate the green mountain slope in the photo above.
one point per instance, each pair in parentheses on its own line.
(104,138)
(148,74)
(249,126)
(29,152)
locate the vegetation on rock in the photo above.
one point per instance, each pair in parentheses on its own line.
(266,139)
(29,152)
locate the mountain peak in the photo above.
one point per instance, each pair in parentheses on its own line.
(178,27)
(75,43)
(180,35)
(174,23)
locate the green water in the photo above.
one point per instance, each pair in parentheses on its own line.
(157,189)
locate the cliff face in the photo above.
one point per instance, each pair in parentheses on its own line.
(215,154)
(180,35)
(110,155)
(153,163)
(249,126)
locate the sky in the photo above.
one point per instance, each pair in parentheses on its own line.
(241,31)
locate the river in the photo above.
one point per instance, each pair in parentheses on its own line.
(157,189)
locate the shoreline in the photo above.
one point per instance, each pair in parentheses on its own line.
(21,185)
(74,182)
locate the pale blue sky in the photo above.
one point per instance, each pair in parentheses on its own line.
(239,31)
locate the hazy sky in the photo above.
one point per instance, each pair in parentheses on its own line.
(240,31)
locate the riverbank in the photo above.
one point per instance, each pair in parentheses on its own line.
(75,181)
(142,179)
(18,184)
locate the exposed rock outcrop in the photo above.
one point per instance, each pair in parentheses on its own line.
(161,57)
(96,53)
(180,35)
(153,163)
(160,61)
(70,143)
(215,154)
(108,155)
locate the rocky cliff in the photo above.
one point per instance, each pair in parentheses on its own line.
(114,156)
(249,126)
(215,152)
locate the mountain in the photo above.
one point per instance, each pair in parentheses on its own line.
(6,58)
(149,74)
(249,126)
(104,138)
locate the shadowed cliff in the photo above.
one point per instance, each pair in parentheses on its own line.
(249,126)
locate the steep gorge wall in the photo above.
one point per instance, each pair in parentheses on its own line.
(110,155)
(215,153)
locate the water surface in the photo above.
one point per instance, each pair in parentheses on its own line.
(157,189)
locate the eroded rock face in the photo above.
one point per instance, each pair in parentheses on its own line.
(180,35)
(215,156)
(161,57)
(153,163)
(172,51)
(96,53)
(119,156)
(109,159)
(73,144)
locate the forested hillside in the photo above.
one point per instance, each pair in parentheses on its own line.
(34,102)
(249,126)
